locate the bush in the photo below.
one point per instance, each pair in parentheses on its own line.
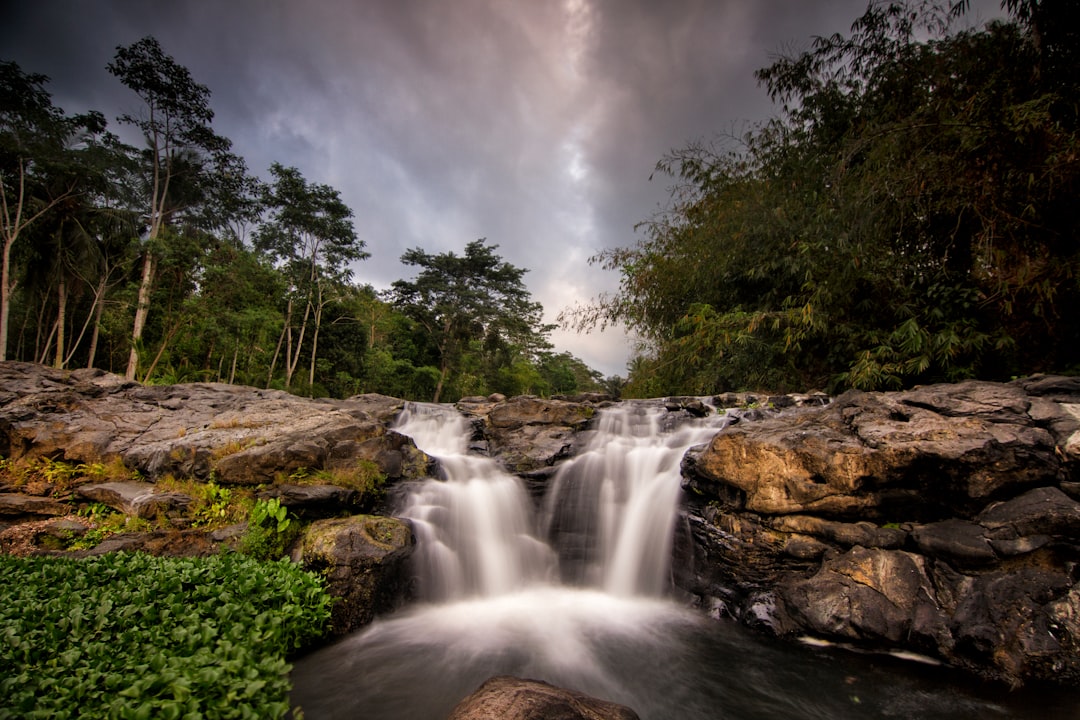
(135,636)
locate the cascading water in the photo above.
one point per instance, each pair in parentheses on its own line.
(574,594)
(476,534)
(610,510)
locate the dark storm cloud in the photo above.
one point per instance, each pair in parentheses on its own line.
(533,124)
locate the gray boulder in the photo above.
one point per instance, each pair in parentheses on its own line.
(363,558)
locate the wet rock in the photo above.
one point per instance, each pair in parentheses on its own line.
(19,505)
(959,541)
(306,501)
(363,558)
(509,698)
(526,434)
(886,455)
(869,594)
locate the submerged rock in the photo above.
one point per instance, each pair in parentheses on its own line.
(509,698)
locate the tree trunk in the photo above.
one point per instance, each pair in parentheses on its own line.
(6,289)
(442,379)
(99,308)
(281,339)
(142,309)
(61,321)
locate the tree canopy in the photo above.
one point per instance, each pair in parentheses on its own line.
(907,217)
(172,263)
(472,301)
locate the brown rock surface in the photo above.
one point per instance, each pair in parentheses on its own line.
(509,698)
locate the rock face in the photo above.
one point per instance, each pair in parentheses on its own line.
(509,698)
(245,436)
(937,520)
(363,559)
(530,435)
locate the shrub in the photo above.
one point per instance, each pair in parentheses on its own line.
(270,531)
(135,636)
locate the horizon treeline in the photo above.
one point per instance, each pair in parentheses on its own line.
(910,215)
(171,262)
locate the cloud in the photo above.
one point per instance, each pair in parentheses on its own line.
(533,124)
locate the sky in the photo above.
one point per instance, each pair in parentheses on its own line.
(535,124)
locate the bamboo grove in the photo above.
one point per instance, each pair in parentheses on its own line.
(910,215)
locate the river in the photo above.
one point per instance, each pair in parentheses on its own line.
(573,590)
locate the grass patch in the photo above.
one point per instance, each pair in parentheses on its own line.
(364,477)
(134,636)
(49,476)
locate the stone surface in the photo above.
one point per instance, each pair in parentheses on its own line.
(140,499)
(307,501)
(243,435)
(510,698)
(527,434)
(882,455)
(942,520)
(363,558)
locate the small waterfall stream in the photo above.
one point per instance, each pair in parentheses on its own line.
(573,592)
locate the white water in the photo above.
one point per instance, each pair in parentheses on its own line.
(476,531)
(607,519)
(573,593)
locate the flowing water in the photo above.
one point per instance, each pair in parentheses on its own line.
(572,591)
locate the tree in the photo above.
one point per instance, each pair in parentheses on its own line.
(310,234)
(908,217)
(473,298)
(41,151)
(175,123)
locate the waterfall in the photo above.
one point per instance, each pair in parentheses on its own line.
(606,521)
(476,531)
(571,592)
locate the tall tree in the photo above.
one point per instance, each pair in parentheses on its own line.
(475,297)
(310,234)
(908,217)
(40,165)
(175,122)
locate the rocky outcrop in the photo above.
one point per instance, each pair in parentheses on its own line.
(243,435)
(363,560)
(528,434)
(942,520)
(509,698)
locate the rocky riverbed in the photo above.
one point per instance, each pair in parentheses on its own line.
(942,521)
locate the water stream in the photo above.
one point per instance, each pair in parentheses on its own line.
(573,592)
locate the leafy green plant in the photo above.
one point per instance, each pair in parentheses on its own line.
(135,636)
(214,505)
(270,530)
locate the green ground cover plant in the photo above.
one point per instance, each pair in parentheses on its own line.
(135,636)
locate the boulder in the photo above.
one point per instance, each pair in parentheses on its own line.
(509,698)
(307,501)
(924,455)
(363,558)
(527,434)
(942,520)
(139,499)
(242,435)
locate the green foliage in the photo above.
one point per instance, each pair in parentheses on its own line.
(172,261)
(473,308)
(907,218)
(270,530)
(134,636)
(214,505)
